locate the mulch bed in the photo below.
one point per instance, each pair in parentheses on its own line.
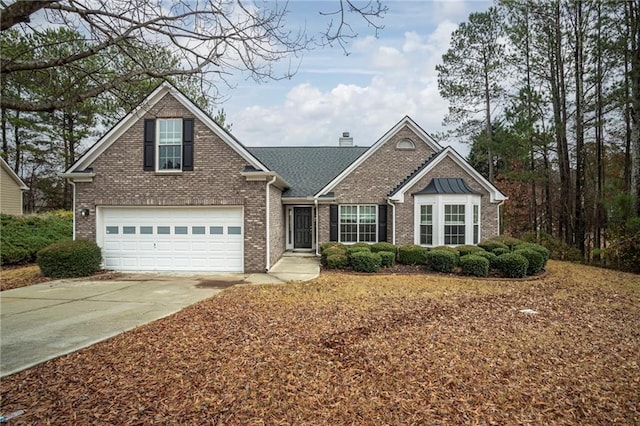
(346,349)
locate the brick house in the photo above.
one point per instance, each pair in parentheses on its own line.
(167,189)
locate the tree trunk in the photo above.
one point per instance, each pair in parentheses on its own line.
(579,232)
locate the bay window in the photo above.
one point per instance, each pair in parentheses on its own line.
(446,219)
(426,225)
(454,228)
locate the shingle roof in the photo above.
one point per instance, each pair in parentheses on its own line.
(415,172)
(307,169)
(447,186)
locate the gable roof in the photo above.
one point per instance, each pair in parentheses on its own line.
(13,175)
(130,119)
(406,121)
(308,169)
(447,186)
(494,193)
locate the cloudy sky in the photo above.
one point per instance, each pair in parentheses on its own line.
(366,93)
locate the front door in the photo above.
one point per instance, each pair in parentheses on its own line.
(302,228)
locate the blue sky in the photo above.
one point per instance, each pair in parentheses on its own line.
(365,93)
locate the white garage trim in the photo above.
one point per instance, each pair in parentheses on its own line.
(209,239)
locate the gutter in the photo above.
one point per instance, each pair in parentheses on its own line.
(393,221)
(317,224)
(267,222)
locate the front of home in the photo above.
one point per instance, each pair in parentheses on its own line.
(11,190)
(168,189)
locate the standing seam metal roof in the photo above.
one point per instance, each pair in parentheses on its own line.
(447,186)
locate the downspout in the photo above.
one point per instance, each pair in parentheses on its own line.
(73,185)
(315,202)
(393,221)
(268,224)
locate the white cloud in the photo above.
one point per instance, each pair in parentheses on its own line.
(400,79)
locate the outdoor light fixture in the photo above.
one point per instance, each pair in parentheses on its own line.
(84,212)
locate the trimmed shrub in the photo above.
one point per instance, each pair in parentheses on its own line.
(498,251)
(441,260)
(351,250)
(365,245)
(537,247)
(491,245)
(534,258)
(333,250)
(487,255)
(382,246)
(365,261)
(512,265)
(451,250)
(412,254)
(507,240)
(325,246)
(67,259)
(337,261)
(388,258)
(475,265)
(468,249)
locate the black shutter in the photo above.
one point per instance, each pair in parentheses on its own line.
(333,223)
(382,222)
(149,144)
(187,144)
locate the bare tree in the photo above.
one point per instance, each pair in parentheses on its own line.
(212,39)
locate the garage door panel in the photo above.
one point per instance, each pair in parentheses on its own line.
(173,239)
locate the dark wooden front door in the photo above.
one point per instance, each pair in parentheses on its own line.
(302,229)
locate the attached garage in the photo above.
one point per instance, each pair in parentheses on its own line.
(171,238)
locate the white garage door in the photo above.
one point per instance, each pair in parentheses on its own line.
(172,239)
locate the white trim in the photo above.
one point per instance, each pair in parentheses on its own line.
(130,119)
(393,221)
(438,201)
(406,121)
(13,175)
(268,223)
(494,193)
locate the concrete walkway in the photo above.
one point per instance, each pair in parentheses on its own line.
(47,320)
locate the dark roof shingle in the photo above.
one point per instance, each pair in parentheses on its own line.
(307,169)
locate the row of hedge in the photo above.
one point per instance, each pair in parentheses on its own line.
(506,256)
(21,237)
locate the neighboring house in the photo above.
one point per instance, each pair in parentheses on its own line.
(168,189)
(11,187)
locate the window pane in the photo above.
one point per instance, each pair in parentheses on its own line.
(454,214)
(476,224)
(112,229)
(170,132)
(234,230)
(164,230)
(129,230)
(348,233)
(181,230)
(426,234)
(216,230)
(169,157)
(426,215)
(197,230)
(146,230)
(454,234)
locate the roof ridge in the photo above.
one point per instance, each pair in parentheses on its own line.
(413,173)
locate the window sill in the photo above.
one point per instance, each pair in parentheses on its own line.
(168,173)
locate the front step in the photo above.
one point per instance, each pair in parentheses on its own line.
(306,253)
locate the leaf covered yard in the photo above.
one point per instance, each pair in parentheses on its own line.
(357,349)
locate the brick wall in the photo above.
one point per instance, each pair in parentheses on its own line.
(446,168)
(276,225)
(215,181)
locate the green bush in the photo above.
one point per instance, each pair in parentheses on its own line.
(558,249)
(326,245)
(382,246)
(78,258)
(487,255)
(364,245)
(388,258)
(512,265)
(21,237)
(491,245)
(441,260)
(356,249)
(498,251)
(332,250)
(507,240)
(477,266)
(536,247)
(365,261)
(468,249)
(337,261)
(412,254)
(451,250)
(535,260)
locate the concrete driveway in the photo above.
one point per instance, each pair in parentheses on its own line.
(44,321)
